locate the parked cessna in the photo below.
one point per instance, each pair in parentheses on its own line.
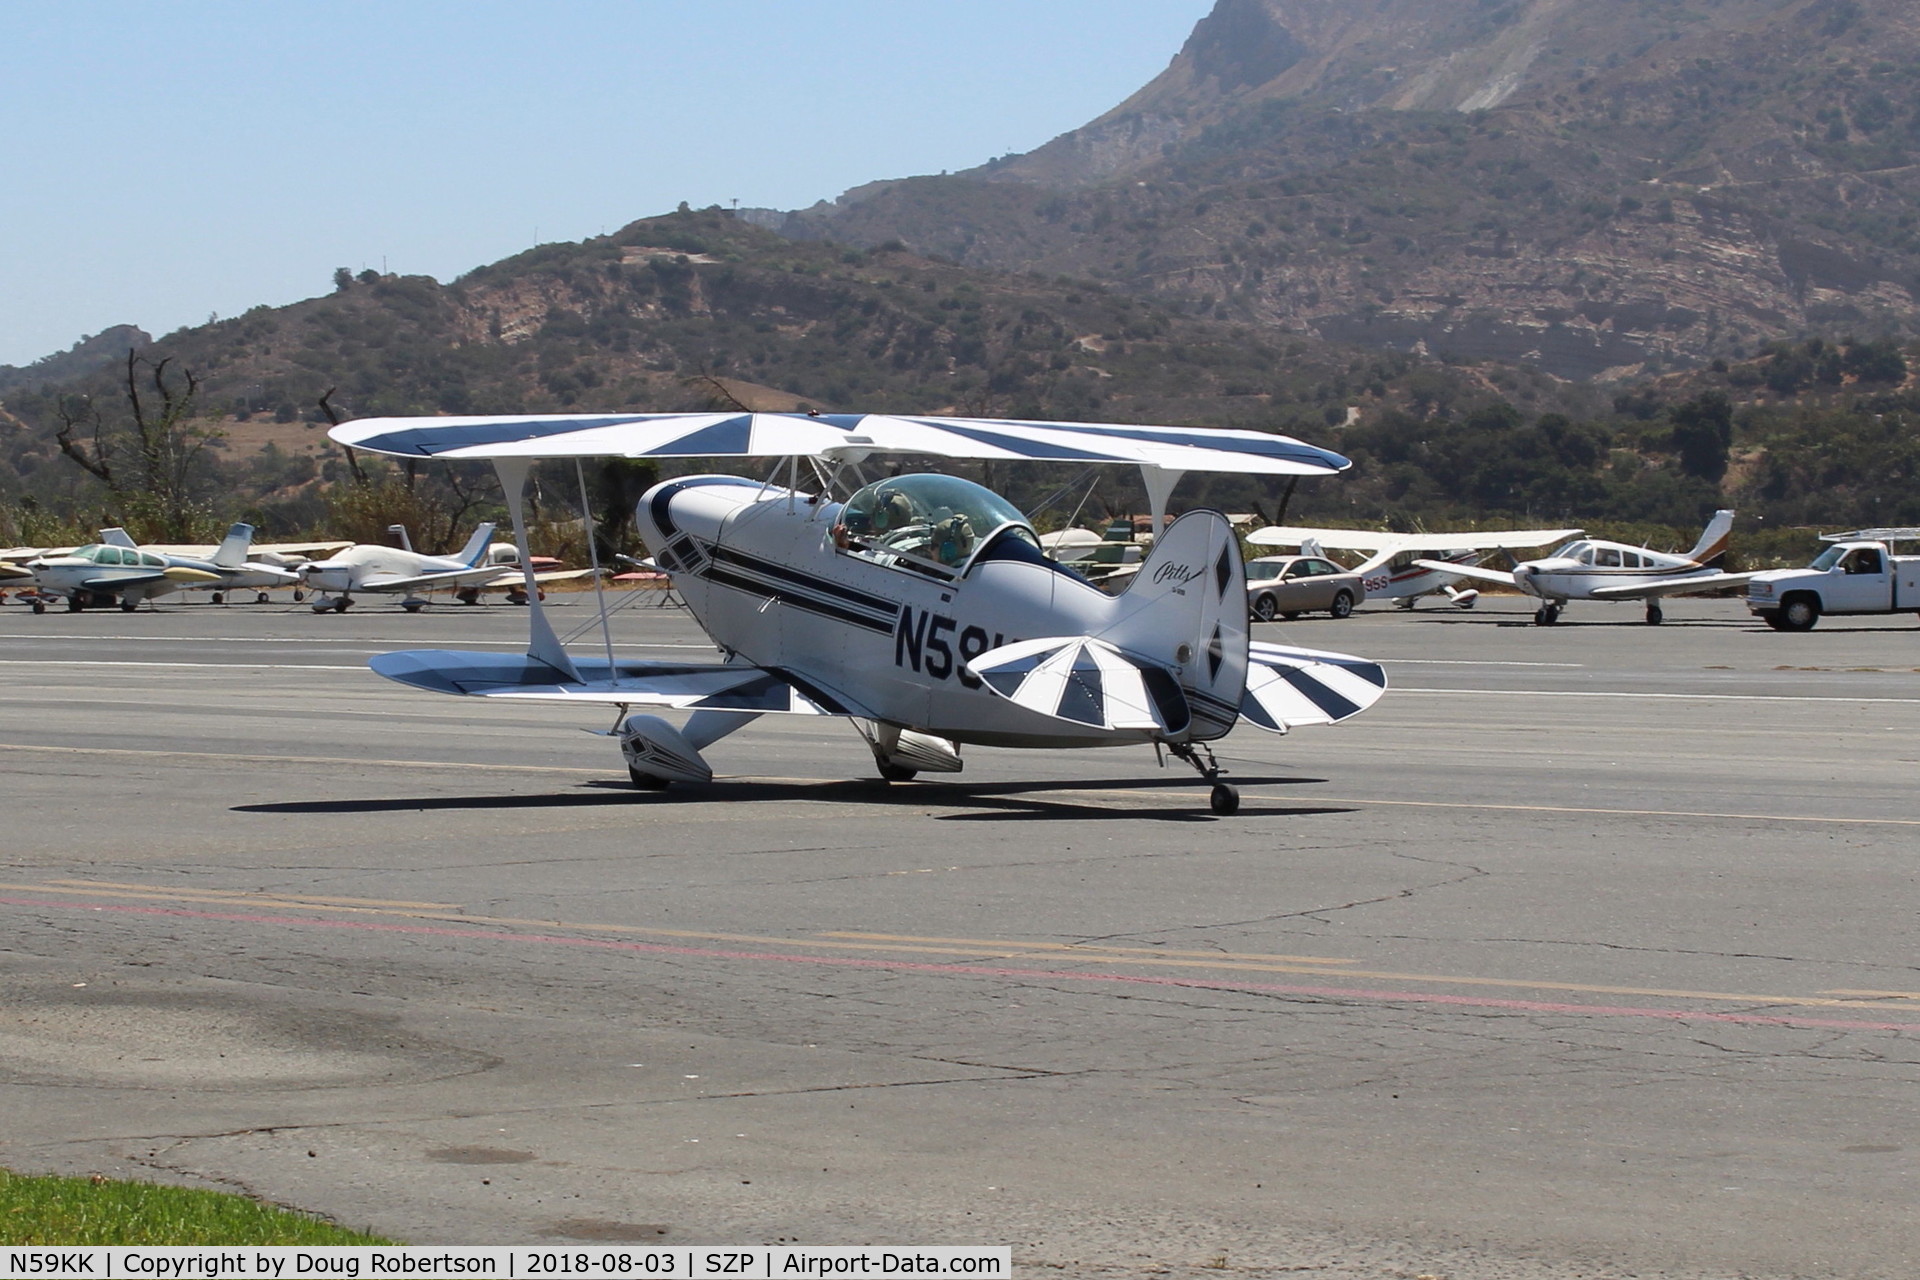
(921,608)
(397,570)
(232,561)
(1590,569)
(1392,569)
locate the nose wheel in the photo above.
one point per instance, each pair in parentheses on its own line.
(1546,615)
(1224,799)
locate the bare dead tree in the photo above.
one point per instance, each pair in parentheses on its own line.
(333,420)
(147,460)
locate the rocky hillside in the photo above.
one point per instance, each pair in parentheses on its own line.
(1594,189)
(699,309)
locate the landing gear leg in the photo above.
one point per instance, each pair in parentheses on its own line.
(1224,800)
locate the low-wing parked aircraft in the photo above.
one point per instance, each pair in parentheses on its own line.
(1393,570)
(101,574)
(1591,569)
(921,608)
(232,561)
(400,571)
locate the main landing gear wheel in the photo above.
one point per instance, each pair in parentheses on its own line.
(898,773)
(342,605)
(1546,615)
(1224,800)
(259,597)
(646,781)
(128,606)
(74,604)
(1654,615)
(39,606)
(219,597)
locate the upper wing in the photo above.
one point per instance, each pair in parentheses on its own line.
(683,686)
(841,436)
(1468,571)
(1364,540)
(1671,586)
(1289,687)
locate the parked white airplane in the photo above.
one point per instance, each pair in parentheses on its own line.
(1392,570)
(922,608)
(232,560)
(99,574)
(396,570)
(1590,569)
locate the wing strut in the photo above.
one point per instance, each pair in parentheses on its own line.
(542,644)
(593,558)
(1160,483)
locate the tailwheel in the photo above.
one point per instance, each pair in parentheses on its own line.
(1223,799)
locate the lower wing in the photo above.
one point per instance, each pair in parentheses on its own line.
(1672,586)
(675,685)
(448,578)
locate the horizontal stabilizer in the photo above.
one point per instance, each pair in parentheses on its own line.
(682,686)
(1085,681)
(1288,687)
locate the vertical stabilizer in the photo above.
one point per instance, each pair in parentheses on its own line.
(1187,610)
(117,537)
(474,554)
(232,551)
(1711,550)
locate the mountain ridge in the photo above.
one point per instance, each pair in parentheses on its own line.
(1597,191)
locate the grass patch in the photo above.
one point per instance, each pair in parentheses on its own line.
(100,1211)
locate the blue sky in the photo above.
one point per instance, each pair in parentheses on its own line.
(161,162)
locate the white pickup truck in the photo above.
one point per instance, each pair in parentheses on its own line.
(1858,573)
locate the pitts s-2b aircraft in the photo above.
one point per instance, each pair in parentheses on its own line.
(922,607)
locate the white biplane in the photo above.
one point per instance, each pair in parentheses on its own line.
(921,608)
(1405,566)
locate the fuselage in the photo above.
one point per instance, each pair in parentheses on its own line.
(883,635)
(1577,570)
(353,568)
(1396,577)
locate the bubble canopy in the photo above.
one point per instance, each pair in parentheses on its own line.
(932,517)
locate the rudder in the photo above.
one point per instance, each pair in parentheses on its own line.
(1187,610)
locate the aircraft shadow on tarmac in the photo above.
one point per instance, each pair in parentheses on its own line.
(1002,801)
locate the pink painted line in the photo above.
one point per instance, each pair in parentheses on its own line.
(998,971)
